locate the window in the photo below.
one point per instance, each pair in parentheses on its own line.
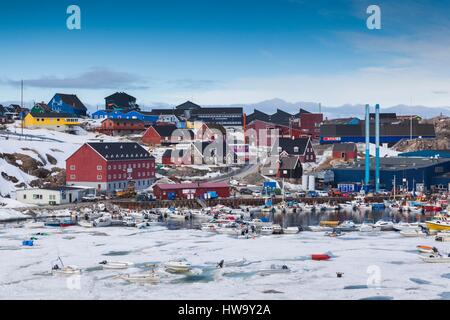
(109,177)
(24,196)
(99,168)
(73,167)
(296,149)
(99,177)
(72,177)
(109,167)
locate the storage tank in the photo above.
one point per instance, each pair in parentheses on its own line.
(312,183)
(305,183)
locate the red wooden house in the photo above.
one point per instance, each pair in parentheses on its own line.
(110,166)
(261,133)
(118,127)
(166,134)
(345,151)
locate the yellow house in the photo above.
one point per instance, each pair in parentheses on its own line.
(56,121)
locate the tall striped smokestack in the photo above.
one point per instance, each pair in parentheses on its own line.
(367,123)
(377,145)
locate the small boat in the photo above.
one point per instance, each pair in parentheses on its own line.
(347,226)
(177,266)
(347,207)
(412,233)
(68,270)
(436,258)
(274,269)
(320,229)
(53,223)
(405,226)
(440,224)
(335,233)
(369,229)
(266,230)
(277,229)
(209,227)
(104,221)
(86,224)
(34,225)
(129,222)
(141,278)
(443,237)
(320,257)
(331,224)
(67,223)
(385,225)
(116,264)
(291,230)
(425,249)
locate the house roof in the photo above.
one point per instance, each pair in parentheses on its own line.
(188,105)
(52,115)
(289,145)
(124,120)
(289,163)
(344,147)
(72,100)
(165,131)
(120,150)
(121,95)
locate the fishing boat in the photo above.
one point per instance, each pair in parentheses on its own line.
(369,229)
(436,258)
(439,224)
(68,270)
(347,226)
(274,269)
(129,221)
(291,230)
(443,237)
(53,223)
(86,224)
(178,266)
(320,257)
(425,249)
(412,233)
(266,230)
(116,264)
(405,226)
(385,225)
(432,207)
(177,215)
(335,233)
(104,221)
(331,224)
(141,278)
(277,229)
(34,225)
(320,229)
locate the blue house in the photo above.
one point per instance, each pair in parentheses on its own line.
(68,104)
(136,115)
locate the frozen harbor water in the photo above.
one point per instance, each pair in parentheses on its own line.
(373,267)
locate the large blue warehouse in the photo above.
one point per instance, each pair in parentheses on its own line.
(408,172)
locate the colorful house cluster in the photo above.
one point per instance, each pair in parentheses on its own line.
(191,191)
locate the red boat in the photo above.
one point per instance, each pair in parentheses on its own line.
(320,257)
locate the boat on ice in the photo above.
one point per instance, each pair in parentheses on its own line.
(151,278)
(369,229)
(177,266)
(347,226)
(413,233)
(331,224)
(277,229)
(425,249)
(335,233)
(129,221)
(104,221)
(406,226)
(320,257)
(291,230)
(436,258)
(443,237)
(67,271)
(385,225)
(320,229)
(86,224)
(274,269)
(266,230)
(116,264)
(440,223)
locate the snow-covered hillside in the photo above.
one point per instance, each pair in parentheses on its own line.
(23,161)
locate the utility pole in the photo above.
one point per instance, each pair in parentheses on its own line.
(21,104)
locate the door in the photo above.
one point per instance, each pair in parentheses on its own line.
(70,198)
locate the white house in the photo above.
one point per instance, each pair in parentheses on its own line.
(53,196)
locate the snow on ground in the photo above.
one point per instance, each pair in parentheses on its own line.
(382,267)
(11,203)
(384,152)
(38,150)
(9,214)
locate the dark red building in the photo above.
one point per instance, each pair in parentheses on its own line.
(261,133)
(118,127)
(191,190)
(110,166)
(166,134)
(309,123)
(345,151)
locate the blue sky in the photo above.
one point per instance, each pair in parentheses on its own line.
(223,52)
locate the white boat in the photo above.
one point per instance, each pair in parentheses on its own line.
(141,278)
(266,230)
(179,266)
(385,225)
(177,215)
(274,269)
(104,221)
(405,226)
(413,233)
(68,270)
(86,224)
(34,225)
(347,225)
(435,258)
(346,207)
(364,207)
(291,230)
(129,221)
(369,229)
(443,237)
(320,229)
(209,227)
(277,229)
(116,264)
